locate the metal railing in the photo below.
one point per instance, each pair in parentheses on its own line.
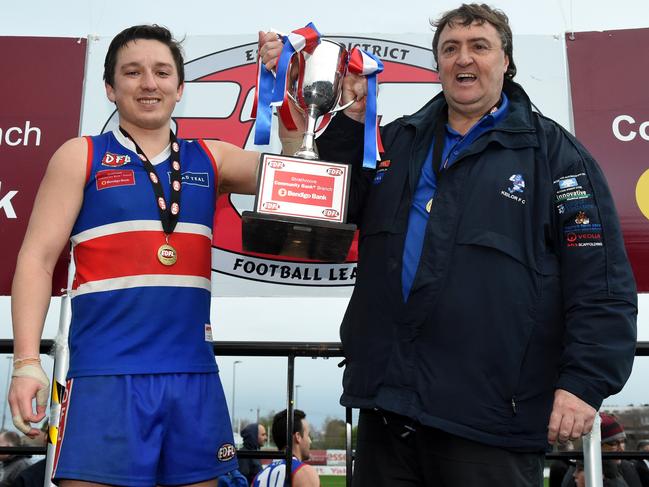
(291,350)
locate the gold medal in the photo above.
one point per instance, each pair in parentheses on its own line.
(167,255)
(429,205)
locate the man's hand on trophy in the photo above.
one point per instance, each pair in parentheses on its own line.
(355,88)
(270,47)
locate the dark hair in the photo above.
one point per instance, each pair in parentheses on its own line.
(151,32)
(465,15)
(278,429)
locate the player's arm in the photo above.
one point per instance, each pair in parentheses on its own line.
(306,477)
(237,168)
(55,210)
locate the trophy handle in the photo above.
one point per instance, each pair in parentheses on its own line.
(346,105)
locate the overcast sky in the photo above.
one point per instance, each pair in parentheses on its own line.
(196,17)
(261,382)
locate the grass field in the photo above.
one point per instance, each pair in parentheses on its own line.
(339,481)
(332,481)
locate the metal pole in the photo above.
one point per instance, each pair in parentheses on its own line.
(348,447)
(61,364)
(234,381)
(4,408)
(288,479)
(593,455)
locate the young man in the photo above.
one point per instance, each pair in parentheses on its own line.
(494,307)
(143,404)
(303,475)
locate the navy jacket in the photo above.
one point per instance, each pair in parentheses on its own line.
(523,285)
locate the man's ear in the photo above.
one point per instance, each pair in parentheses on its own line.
(110,92)
(179,92)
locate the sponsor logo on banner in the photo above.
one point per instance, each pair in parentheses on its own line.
(5,202)
(406,66)
(115,160)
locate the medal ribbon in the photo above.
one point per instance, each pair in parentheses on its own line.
(365,64)
(168,213)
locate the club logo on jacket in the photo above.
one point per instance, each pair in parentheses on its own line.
(115,160)
(517,186)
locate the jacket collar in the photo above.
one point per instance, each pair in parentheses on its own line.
(518,118)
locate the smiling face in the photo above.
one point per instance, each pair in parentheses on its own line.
(145,88)
(472,66)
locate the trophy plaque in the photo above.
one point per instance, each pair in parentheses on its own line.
(301,202)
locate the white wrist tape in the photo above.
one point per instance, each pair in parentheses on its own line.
(36,372)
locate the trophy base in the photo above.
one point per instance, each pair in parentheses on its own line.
(296,237)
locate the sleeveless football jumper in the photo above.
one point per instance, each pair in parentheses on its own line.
(130,313)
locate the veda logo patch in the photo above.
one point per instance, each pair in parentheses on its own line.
(115,160)
(226,452)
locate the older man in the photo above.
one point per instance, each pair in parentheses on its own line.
(494,305)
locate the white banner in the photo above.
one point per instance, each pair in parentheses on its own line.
(220,74)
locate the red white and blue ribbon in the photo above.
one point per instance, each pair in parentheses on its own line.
(271,90)
(261,109)
(365,64)
(307,38)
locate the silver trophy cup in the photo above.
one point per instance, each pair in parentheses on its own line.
(301,201)
(318,88)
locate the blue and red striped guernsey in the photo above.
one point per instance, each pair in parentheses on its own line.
(130,313)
